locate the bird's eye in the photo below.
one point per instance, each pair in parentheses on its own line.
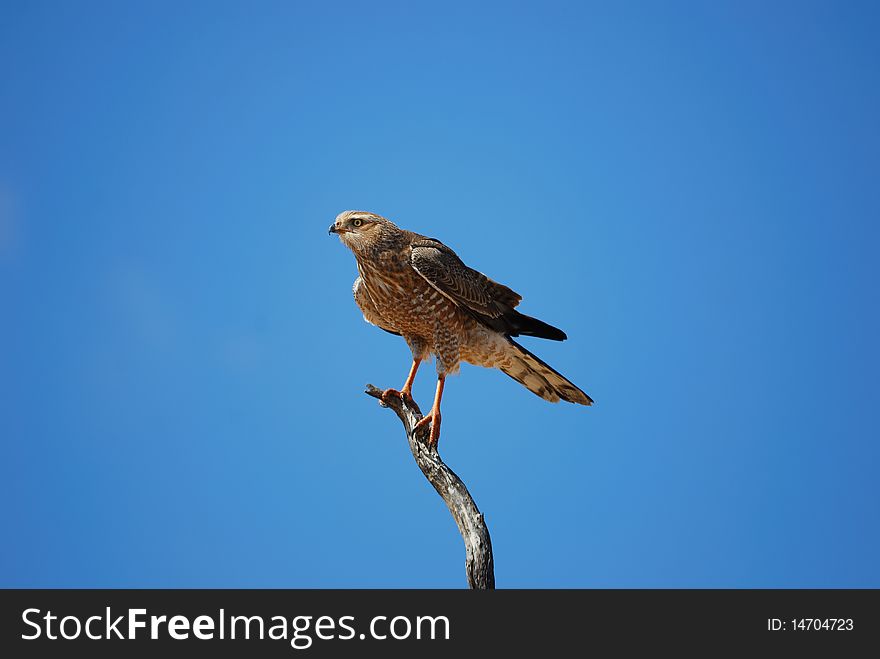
(357,222)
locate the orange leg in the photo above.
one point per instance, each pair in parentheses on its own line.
(407,386)
(434,417)
(406,390)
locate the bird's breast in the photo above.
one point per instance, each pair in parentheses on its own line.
(407,301)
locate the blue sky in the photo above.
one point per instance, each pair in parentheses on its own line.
(688,189)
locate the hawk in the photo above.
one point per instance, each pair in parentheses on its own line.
(418,288)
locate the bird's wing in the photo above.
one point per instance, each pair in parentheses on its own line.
(443,270)
(489,302)
(365,302)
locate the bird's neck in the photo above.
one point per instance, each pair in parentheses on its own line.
(388,246)
(389,255)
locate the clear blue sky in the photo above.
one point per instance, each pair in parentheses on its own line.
(688,189)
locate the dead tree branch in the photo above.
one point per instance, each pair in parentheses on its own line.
(478,546)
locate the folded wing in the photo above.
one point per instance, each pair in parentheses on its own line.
(486,300)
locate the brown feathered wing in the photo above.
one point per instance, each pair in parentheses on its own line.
(488,301)
(493,305)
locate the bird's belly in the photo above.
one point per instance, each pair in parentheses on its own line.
(484,347)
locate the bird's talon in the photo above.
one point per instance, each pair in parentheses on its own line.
(403,395)
(388,393)
(434,420)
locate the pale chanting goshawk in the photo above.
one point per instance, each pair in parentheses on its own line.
(418,288)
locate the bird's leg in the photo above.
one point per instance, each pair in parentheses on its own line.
(406,391)
(434,416)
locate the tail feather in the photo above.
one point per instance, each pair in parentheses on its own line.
(539,378)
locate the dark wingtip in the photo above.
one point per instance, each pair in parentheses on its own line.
(528,326)
(552,334)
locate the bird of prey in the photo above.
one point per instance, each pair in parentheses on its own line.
(418,288)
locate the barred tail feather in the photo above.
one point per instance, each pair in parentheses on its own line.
(539,378)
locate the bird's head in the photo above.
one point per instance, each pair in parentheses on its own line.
(359,229)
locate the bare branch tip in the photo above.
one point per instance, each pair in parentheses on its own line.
(471,523)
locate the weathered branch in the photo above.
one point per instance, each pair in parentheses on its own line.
(478,546)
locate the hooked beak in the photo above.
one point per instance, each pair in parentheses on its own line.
(335,229)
